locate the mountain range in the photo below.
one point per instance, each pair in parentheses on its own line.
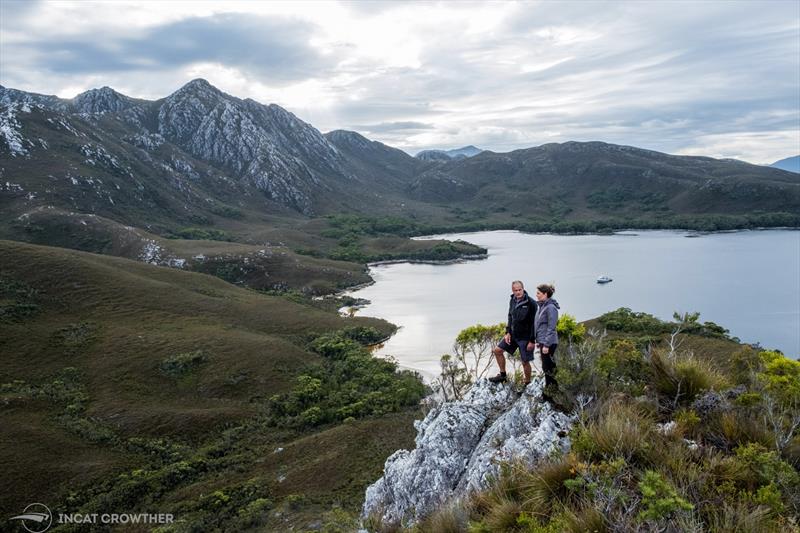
(203,158)
(446,155)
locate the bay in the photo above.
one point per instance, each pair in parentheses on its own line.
(747,282)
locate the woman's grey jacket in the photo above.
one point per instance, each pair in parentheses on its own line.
(546,322)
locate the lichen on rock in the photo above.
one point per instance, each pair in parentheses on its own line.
(460,446)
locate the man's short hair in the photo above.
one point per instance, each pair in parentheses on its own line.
(517,282)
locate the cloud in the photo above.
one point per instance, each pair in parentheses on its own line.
(277,49)
(385,127)
(679,77)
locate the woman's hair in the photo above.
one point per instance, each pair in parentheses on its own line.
(547,289)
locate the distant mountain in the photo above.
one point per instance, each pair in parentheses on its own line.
(375,162)
(446,155)
(792,164)
(201,157)
(595,179)
(195,151)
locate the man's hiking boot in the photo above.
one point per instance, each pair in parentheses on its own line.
(499,378)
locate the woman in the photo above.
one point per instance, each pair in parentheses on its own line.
(546,336)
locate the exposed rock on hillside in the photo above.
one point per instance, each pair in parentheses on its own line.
(460,445)
(270,147)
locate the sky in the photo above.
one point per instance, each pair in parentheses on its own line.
(716,78)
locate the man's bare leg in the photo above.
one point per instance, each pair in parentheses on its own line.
(526,368)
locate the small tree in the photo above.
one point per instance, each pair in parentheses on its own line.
(473,348)
(453,379)
(471,360)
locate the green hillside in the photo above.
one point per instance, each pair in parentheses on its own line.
(137,387)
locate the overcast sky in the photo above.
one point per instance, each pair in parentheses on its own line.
(717,78)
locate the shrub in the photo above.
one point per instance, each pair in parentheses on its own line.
(622,368)
(624,319)
(181,364)
(203,234)
(687,420)
(74,337)
(576,373)
(349,384)
(363,334)
(570,329)
(659,498)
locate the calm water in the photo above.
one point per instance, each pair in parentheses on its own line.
(748,282)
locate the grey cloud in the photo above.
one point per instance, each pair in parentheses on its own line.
(277,50)
(12,11)
(385,127)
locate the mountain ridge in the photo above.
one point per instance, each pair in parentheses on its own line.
(202,157)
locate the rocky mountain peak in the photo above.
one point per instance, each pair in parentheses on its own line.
(199,85)
(102,100)
(263,144)
(349,138)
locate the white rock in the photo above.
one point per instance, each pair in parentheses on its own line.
(460,444)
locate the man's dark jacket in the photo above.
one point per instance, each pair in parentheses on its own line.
(520,318)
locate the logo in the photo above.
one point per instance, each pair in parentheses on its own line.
(36,518)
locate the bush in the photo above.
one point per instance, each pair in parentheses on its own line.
(624,319)
(622,368)
(570,329)
(176,366)
(203,234)
(349,384)
(659,498)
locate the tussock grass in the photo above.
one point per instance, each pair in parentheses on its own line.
(503,515)
(586,519)
(682,378)
(448,519)
(744,518)
(542,487)
(620,430)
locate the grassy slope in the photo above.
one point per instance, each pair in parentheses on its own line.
(137,315)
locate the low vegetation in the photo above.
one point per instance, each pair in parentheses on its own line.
(351,384)
(136,388)
(678,428)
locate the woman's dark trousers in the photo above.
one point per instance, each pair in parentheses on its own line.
(549,367)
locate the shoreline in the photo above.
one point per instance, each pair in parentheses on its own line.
(624,232)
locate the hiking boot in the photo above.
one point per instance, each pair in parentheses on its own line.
(499,378)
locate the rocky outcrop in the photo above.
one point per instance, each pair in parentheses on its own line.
(461,444)
(270,147)
(103,100)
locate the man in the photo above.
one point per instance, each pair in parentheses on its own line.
(519,333)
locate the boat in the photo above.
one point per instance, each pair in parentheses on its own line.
(604,279)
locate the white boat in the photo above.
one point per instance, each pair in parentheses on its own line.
(604,279)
